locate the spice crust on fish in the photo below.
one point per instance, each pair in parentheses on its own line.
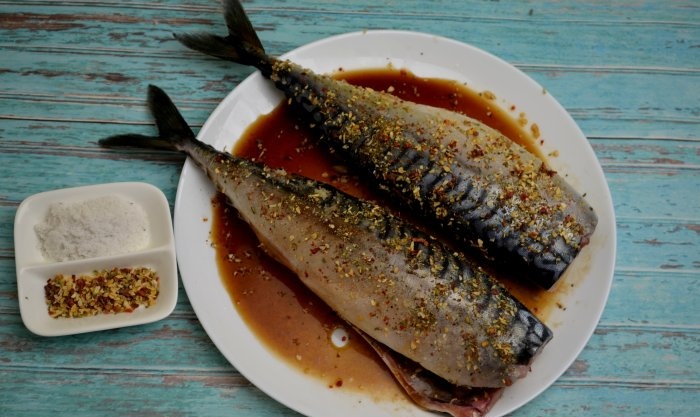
(425,306)
(458,174)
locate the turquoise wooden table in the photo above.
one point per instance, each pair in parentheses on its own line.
(628,72)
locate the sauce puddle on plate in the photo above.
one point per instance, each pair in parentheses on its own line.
(287,317)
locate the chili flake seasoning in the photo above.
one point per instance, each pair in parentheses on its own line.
(119,290)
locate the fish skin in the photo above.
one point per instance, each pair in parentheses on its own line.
(469,180)
(401,287)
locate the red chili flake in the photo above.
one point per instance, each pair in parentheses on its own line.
(420,240)
(476,152)
(547,171)
(108,291)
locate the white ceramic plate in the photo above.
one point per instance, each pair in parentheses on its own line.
(428,56)
(33,270)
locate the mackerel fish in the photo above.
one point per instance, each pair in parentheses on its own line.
(423,306)
(468,180)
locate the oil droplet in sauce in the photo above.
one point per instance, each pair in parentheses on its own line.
(284,314)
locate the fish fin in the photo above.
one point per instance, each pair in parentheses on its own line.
(239,26)
(214,45)
(136,141)
(242,44)
(430,391)
(173,130)
(170,122)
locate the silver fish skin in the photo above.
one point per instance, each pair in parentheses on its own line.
(462,176)
(399,286)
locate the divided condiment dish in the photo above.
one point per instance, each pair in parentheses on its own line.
(34,270)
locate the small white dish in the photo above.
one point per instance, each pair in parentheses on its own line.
(34,271)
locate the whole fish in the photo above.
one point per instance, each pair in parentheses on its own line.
(466,178)
(406,291)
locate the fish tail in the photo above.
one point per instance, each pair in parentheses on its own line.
(173,131)
(241,45)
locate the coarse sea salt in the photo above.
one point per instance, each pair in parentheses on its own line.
(102,226)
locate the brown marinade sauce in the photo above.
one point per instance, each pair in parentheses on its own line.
(287,317)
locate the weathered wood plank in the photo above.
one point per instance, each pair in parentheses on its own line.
(658,245)
(176,343)
(638,355)
(94,394)
(98,392)
(630,355)
(668,296)
(653,299)
(603,398)
(651,153)
(648,243)
(588,375)
(648,11)
(542,33)
(68,92)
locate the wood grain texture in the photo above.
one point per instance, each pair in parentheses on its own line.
(72,72)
